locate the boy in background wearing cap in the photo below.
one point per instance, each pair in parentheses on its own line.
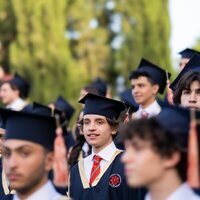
(186,55)
(186,86)
(100,175)
(147,81)
(156,155)
(28,153)
(14,92)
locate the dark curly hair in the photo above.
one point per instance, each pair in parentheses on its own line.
(162,142)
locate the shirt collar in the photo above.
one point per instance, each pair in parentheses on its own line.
(152,109)
(182,192)
(106,153)
(18,104)
(47,191)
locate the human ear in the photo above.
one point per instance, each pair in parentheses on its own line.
(49,160)
(172,160)
(155,89)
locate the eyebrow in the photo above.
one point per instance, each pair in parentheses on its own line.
(96,119)
(17,148)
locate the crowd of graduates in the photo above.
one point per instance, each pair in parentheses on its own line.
(139,147)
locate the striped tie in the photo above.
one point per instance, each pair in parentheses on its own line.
(144,114)
(95,168)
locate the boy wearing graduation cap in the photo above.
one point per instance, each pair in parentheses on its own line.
(28,153)
(100,175)
(147,81)
(186,55)
(156,155)
(186,86)
(14,92)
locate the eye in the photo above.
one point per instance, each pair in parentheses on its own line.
(198,91)
(100,122)
(85,122)
(24,153)
(141,85)
(6,153)
(186,92)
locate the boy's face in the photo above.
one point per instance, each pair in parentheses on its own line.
(183,62)
(143,166)
(143,91)
(7,94)
(26,164)
(190,98)
(97,131)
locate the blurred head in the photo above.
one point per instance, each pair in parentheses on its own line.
(26,164)
(150,153)
(8,93)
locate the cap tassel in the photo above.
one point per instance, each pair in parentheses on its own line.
(169,91)
(60,168)
(193,154)
(127,116)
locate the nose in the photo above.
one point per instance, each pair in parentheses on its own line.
(92,126)
(10,163)
(127,157)
(134,90)
(193,97)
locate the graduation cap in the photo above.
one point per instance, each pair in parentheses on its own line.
(99,105)
(157,74)
(64,106)
(127,97)
(188,53)
(192,65)
(100,86)
(38,109)
(35,126)
(174,119)
(22,85)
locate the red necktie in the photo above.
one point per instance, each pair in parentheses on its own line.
(95,168)
(144,114)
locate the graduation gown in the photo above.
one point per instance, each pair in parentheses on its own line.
(109,185)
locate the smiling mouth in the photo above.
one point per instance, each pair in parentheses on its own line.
(93,135)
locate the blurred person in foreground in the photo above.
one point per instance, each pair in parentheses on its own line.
(156,155)
(28,154)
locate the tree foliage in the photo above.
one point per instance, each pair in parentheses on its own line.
(61,46)
(40,50)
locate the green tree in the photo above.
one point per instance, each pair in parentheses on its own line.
(7,32)
(40,51)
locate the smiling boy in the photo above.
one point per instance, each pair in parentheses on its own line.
(100,175)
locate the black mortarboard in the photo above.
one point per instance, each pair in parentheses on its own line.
(64,106)
(100,86)
(99,105)
(157,74)
(174,119)
(188,53)
(35,126)
(192,65)
(128,99)
(21,84)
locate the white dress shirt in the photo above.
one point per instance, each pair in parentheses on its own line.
(46,192)
(152,110)
(17,105)
(106,155)
(184,192)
